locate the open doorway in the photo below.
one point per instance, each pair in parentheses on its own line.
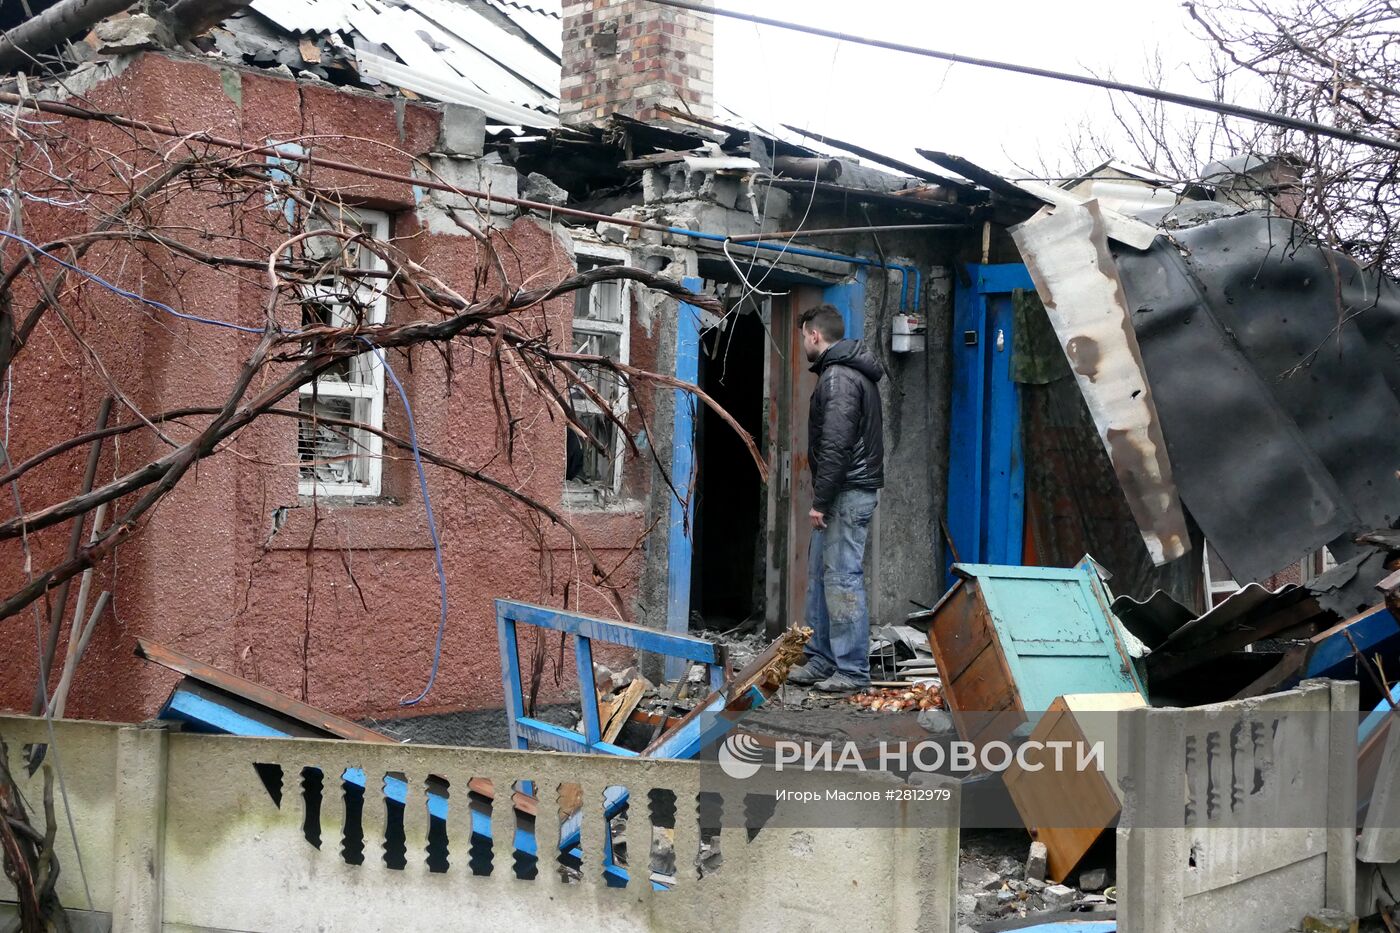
(727,574)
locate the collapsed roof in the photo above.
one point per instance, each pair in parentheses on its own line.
(1238,367)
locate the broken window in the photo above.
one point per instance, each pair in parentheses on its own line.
(601,326)
(337,459)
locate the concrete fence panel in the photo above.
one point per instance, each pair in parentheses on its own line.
(1239,815)
(189,832)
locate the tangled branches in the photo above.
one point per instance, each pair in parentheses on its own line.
(124,216)
(1328,61)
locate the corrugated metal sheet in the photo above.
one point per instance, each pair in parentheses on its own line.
(454,92)
(1293,445)
(543,21)
(446,50)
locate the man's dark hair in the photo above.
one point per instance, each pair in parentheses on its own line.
(825,320)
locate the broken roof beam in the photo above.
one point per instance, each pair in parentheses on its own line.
(863,196)
(887,161)
(987,179)
(21,46)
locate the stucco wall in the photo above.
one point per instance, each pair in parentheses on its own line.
(339,605)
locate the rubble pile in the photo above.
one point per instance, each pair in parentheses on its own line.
(995,887)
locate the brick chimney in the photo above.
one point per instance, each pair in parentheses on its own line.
(631,56)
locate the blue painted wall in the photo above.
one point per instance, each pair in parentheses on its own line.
(849,299)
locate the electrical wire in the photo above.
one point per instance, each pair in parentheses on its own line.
(1170,97)
(132,296)
(432,523)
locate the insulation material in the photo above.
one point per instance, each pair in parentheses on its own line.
(1066,253)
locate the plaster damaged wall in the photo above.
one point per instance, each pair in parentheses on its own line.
(906,555)
(212,574)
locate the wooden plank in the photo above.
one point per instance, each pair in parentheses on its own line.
(1065,808)
(257,694)
(984,689)
(621,709)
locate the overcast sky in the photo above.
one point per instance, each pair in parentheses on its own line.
(893,102)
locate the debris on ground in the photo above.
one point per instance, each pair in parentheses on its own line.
(995,884)
(916,697)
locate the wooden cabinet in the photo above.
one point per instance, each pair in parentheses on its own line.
(1010,640)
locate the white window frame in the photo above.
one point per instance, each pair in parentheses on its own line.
(1222,588)
(577,492)
(373,294)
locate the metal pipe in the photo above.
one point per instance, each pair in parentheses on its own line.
(838,231)
(813,253)
(812,168)
(1185,100)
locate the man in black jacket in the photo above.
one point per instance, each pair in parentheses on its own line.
(846,454)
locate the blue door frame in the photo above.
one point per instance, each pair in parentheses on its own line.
(849,299)
(986,475)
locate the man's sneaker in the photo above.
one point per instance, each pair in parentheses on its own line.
(810,673)
(839,683)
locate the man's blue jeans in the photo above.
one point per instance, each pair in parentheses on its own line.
(836,603)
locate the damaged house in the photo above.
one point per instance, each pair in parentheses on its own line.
(1138,454)
(588,137)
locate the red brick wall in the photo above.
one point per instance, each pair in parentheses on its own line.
(629,56)
(339,606)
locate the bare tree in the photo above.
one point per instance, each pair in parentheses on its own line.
(1329,61)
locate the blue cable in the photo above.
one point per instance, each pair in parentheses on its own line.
(92,277)
(432,523)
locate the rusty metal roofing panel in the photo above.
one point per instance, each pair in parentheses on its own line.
(1066,253)
(1250,448)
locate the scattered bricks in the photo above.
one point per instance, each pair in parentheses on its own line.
(1035,885)
(989,902)
(966,905)
(1329,921)
(463,130)
(1095,879)
(1035,862)
(1059,896)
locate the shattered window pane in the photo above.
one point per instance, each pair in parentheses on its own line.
(336,460)
(604,381)
(330,453)
(601,320)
